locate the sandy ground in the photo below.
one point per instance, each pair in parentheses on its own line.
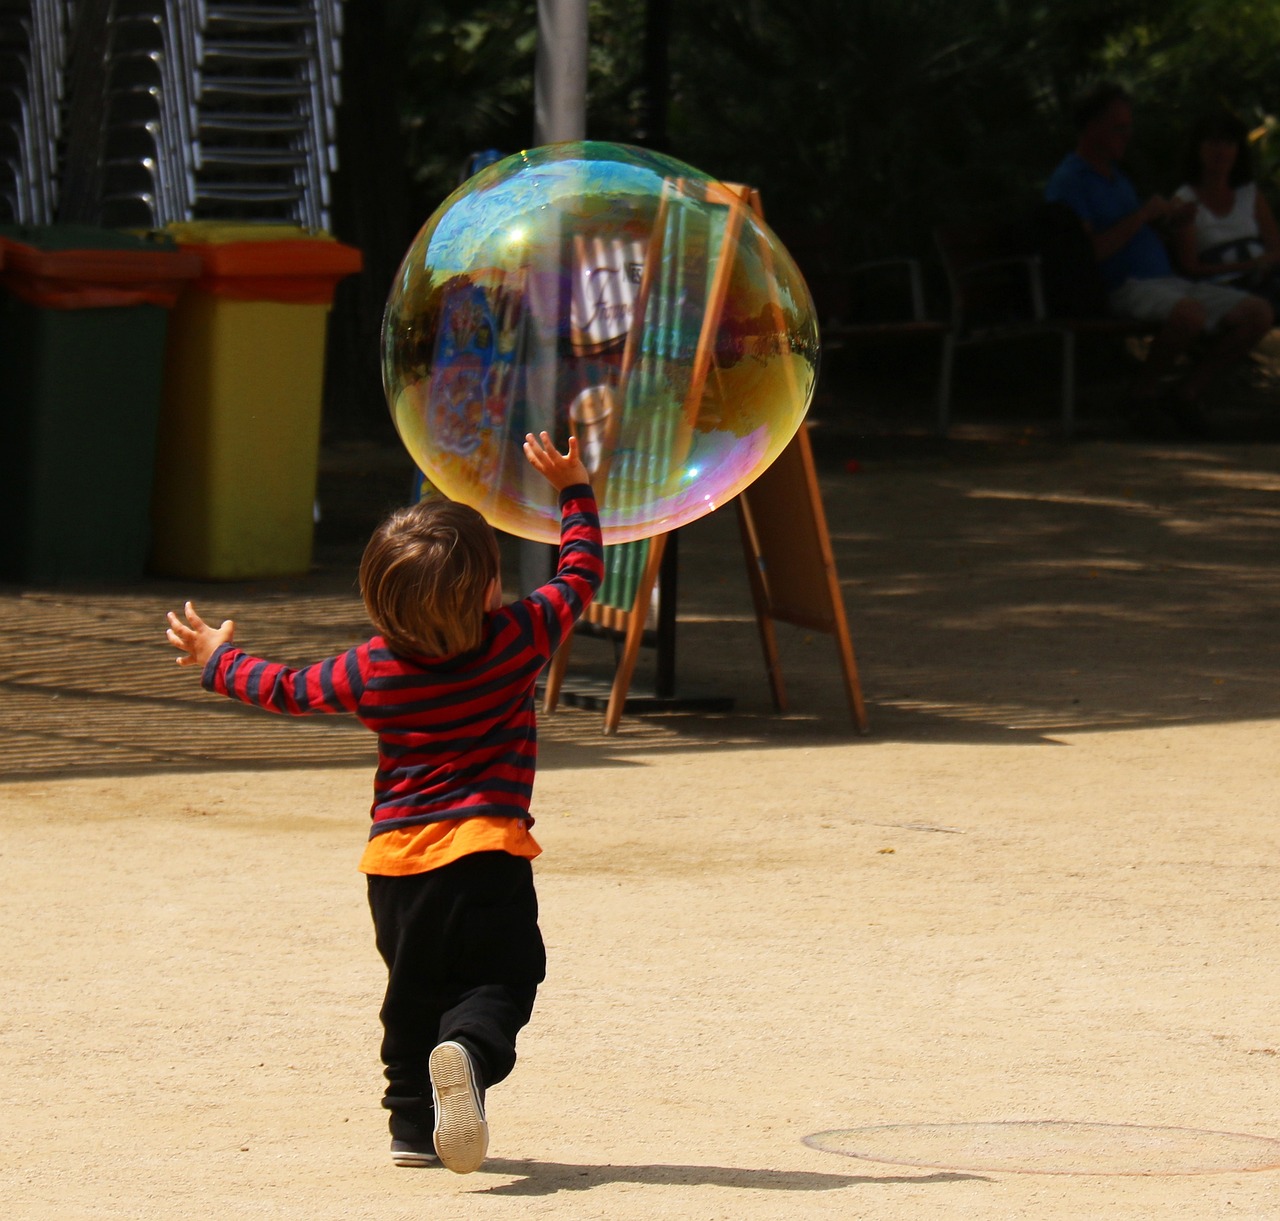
(1043,888)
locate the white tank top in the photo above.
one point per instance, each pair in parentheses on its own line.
(1231,238)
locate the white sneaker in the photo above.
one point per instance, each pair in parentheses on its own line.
(461,1134)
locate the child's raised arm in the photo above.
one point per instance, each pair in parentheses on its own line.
(560,470)
(198,642)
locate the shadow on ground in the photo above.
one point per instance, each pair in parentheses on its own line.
(550,1178)
(1000,587)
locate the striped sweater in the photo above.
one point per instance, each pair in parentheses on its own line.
(457,736)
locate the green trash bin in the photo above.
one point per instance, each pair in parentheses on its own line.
(83,314)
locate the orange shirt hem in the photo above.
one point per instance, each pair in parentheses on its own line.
(435,844)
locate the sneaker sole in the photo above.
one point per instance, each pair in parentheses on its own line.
(415,1160)
(461,1135)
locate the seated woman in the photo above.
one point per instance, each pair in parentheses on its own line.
(1233,238)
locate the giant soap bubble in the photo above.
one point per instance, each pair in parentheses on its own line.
(608,292)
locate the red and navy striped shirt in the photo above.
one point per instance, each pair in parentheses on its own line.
(457,736)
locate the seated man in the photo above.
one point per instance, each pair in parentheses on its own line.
(1136,268)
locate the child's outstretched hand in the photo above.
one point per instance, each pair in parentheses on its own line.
(560,470)
(198,642)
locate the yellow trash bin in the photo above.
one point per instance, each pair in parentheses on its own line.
(239,435)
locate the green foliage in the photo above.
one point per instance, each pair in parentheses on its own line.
(466,83)
(468,73)
(863,122)
(1193,57)
(860,121)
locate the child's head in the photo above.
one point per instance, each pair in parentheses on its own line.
(429,574)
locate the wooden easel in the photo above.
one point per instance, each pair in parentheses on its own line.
(663,281)
(790,565)
(630,621)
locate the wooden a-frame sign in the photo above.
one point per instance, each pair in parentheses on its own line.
(790,568)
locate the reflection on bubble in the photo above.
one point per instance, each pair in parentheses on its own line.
(613,294)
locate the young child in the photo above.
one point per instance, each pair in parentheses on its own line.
(448,687)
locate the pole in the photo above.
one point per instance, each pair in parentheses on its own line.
(560,72)
(559,113)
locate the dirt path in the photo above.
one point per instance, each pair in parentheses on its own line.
(1043,889)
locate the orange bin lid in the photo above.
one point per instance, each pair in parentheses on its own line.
(94,279)
(266,262)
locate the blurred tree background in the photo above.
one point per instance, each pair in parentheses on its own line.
(863,122)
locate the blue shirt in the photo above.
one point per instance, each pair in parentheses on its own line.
(1101,202)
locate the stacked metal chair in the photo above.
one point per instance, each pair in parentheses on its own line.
(32,55)
(194,110)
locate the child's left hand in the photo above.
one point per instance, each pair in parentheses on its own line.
(198,642)
(560,470)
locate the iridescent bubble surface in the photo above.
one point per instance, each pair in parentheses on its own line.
(610,293)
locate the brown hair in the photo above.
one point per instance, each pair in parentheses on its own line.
(424,576)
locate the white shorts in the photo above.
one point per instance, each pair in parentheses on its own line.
(1153,300)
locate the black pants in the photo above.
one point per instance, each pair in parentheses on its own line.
(464,959)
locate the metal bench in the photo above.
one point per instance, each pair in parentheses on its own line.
(998,294)
(886,302)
